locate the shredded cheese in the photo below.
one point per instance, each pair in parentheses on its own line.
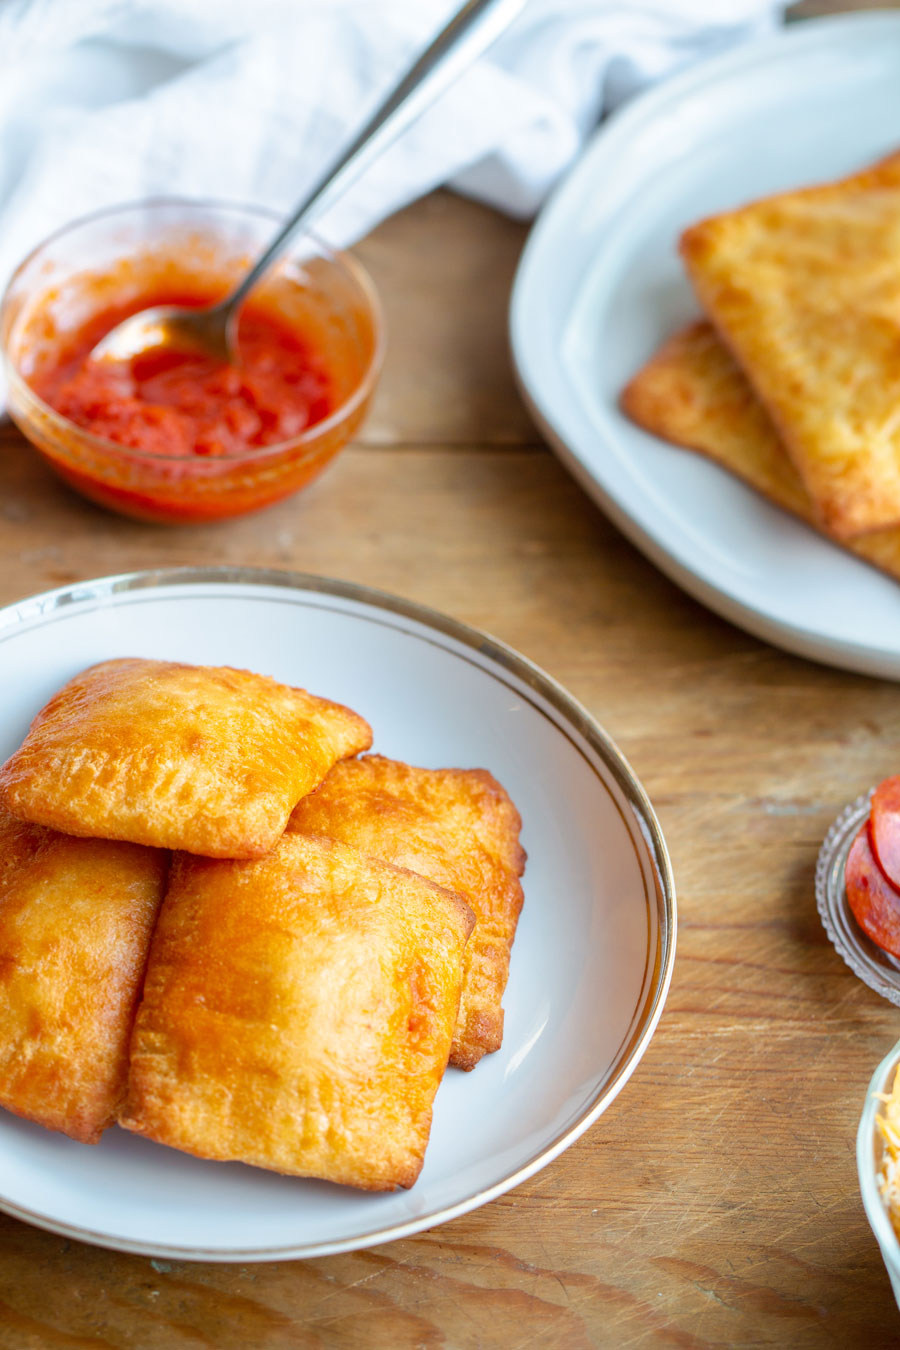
(888,1125)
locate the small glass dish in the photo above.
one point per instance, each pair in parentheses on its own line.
(868,1164)
(103,258)
(875,967)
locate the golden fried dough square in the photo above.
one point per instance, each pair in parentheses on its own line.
(200,758)
(76,917)
(804,288)
(694,393)
(457,827)
(297,1013)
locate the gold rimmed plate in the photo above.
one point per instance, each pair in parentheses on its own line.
(593,955)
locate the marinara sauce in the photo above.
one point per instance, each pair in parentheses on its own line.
(174,437)
(183,404)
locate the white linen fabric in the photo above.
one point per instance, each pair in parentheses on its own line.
(106,101)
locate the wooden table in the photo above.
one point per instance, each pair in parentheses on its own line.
(715,1203)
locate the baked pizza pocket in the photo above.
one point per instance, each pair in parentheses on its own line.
(297,1013)
(804,288)
(693,393)
(76,918)
(457,827)
(205,759)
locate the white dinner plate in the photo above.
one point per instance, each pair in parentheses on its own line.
(592,958)
(600,285)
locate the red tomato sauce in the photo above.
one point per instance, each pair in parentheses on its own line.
(180,404)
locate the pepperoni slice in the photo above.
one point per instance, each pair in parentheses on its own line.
(873,900)
(885,820)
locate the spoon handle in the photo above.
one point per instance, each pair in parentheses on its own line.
(471,30)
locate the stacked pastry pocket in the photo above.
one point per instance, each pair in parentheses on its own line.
(221,930)
(790,379)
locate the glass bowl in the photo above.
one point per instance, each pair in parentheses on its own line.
(876,968)
(106,258)
(868,1162)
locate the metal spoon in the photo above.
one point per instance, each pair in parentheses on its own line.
(212,331)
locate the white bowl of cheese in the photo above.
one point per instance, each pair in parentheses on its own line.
(878,1161)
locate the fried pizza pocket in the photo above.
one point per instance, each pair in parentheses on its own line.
(297,1013)
(804,288)
(205,759)
(76,918)
(457,827)
(693,393)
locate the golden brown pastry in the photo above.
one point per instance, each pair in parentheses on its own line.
(297,1013)
(804,288)
(457,827)
(201,758)
(693,392)
(76,917)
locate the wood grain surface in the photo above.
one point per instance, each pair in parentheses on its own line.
(715,1203)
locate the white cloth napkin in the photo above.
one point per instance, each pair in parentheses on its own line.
(105,101)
